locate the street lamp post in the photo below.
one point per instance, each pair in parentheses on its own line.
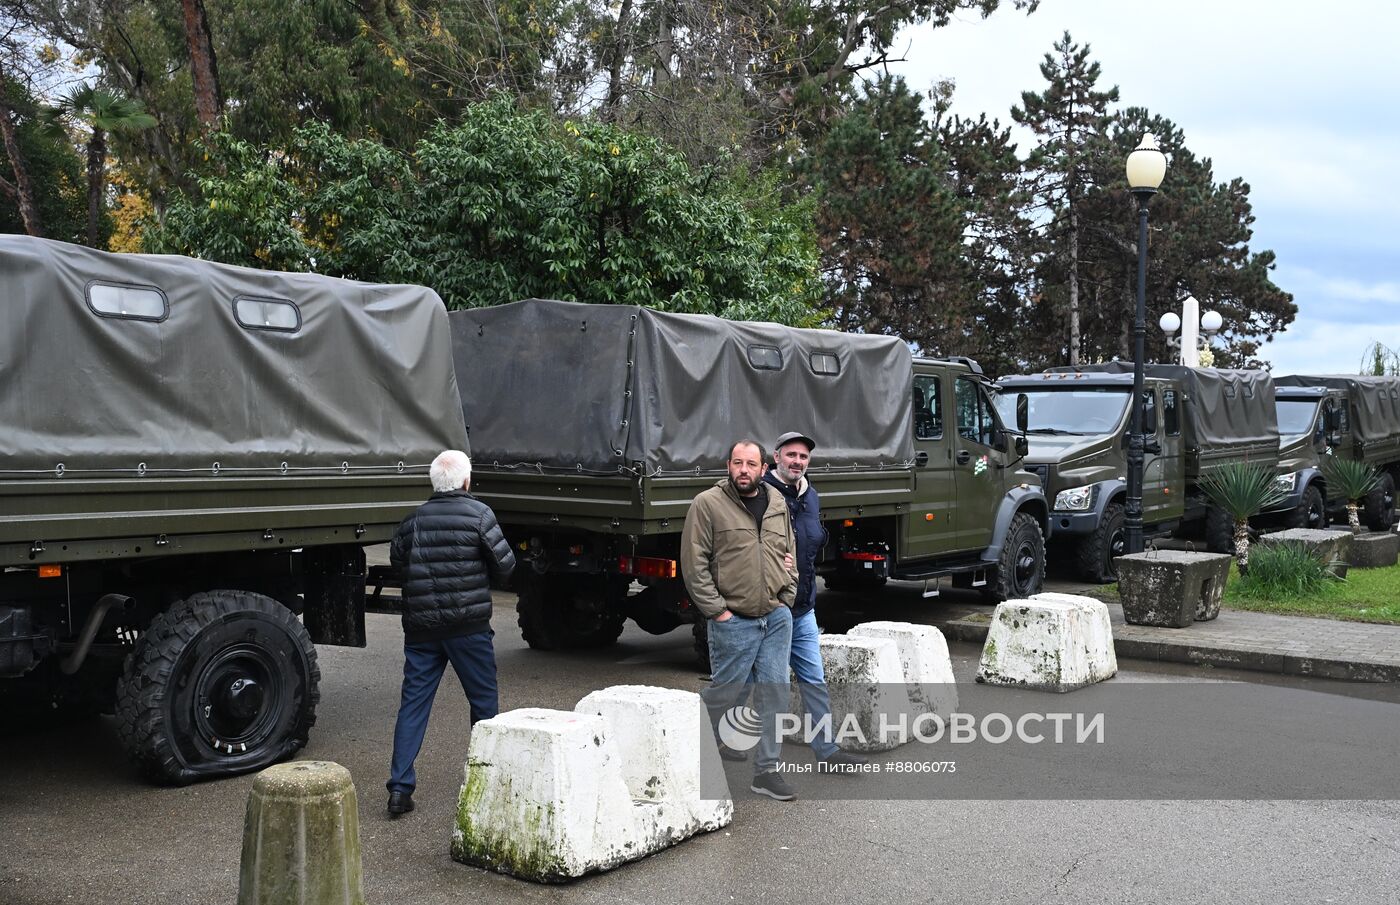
(1146,167)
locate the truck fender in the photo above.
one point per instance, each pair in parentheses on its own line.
(1018,499)
(1106,492)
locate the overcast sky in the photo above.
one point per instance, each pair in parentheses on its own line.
(1301,103)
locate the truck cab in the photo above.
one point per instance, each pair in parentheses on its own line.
(1077,426)
(1312,422)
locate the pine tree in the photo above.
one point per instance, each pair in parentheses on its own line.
(1070,119)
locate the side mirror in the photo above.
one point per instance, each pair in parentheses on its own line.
(1023,412)
(1334,420)
(1021,445)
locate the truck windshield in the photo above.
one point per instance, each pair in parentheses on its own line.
(1296,416)
(1082,410)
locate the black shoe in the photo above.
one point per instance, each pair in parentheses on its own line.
(400,803)
(841,762)
(728,753)
(774,786)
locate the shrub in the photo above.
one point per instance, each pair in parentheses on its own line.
(1287,570)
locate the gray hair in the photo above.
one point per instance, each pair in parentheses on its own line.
(451,470)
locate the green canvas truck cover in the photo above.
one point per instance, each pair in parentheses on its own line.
(1375,401)
(359,378)
(1229,413)
(604,389)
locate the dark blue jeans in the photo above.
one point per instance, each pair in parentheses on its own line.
(473,659)
(746,652)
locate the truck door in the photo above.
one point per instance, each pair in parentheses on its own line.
(1164,482)
(929,528)
(978,464)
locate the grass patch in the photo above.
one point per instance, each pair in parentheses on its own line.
(1365,595)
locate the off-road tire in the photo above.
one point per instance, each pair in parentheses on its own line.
(1311,511)
(1094,554)
(1378,513)
(700,637)
(185,708)
(567,611)
(1020,569)
(1220,530)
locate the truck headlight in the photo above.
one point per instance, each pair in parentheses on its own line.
(1287,481)
(1076,499)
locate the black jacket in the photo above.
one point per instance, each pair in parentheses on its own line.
(806,510)
(446,553)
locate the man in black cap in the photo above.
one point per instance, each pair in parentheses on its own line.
(791,455)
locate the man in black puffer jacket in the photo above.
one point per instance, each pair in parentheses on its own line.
(446,553)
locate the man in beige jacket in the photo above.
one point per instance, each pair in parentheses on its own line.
(737,557)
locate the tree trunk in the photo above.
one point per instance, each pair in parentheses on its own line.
(1353,517)
(203,69)
(621,40)
(1242,545)
(1073,285)
(96,174)
(665,47)
(24,187)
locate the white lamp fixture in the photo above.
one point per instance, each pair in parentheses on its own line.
(1147,165)
(1211,322)
(1170,323)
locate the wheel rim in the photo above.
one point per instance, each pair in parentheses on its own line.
(1025,566)
(1117,546)
(1317,513)
(236,699)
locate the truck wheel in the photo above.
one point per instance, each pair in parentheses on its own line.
(700,633)
(569,611)
(1379,514)
(1095,553)
(1311,511)
(1021,567)
(224,682)
(1220,530)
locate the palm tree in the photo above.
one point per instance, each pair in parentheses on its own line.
(102,112)
(1350,480)
(1242,490)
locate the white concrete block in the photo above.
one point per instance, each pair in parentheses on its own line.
(1051,644)
(1101,648)
(544,798)
(924,659)
(668,755)
(869,700)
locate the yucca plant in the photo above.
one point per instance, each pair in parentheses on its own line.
(1350,480)
(1242,490)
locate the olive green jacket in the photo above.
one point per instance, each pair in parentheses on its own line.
(727,565)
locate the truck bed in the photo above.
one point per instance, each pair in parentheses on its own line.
(67,520)
(628,504)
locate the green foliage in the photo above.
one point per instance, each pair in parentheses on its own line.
(506,205)
(1287,571)
(1242,489)
(1349,479)
(55,169)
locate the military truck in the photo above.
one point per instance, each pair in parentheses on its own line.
(593,427)
(1341,414)
(1197,419)
(192,458)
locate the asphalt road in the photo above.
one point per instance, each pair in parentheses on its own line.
(77,825)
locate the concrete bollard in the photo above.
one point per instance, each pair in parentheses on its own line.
(301,837)
(924,659)
(1052,645)
(543,798)
(668,754)
(868,694)
(1376,550)
(1327,544)
(1171,588)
